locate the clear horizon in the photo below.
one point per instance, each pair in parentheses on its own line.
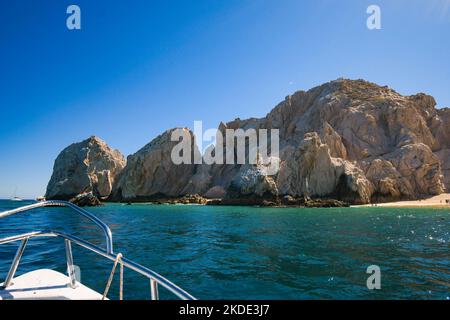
(136,70)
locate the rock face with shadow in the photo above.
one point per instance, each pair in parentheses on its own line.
(87,167)
(151,175)
(441,128)
(354,141)
(348,140)
(86,200)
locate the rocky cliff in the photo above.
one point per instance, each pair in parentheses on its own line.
(350,140)
(90,166)
(355,141)
(442,132)
(150,173)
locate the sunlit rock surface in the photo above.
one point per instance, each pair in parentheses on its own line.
(90,166)
(349,140)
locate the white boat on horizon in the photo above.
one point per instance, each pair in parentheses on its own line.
(15,197)
(46,284)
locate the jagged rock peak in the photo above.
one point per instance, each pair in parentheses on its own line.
(150,173)
(84,167)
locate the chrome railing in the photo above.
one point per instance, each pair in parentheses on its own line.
(80,211)
(155,278)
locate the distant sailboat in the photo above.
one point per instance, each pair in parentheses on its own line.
(15,197)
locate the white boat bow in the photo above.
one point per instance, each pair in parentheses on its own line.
(47,284)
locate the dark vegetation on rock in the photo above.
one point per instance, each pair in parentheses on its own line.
(86,200)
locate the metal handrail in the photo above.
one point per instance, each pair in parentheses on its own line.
(150,274)
(56,203)
(154,277)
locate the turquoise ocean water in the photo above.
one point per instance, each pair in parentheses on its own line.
(251,253)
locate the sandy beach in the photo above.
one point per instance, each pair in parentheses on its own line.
(434,202)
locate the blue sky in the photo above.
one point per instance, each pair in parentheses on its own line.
(137,68)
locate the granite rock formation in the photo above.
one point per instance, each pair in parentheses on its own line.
(90,166)
(150,173)
(441,126)
(86,200)
(349,140)
(352,140)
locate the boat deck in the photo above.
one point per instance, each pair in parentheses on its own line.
(46,284)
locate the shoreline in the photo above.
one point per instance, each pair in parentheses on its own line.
(438,201)
(441,201)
